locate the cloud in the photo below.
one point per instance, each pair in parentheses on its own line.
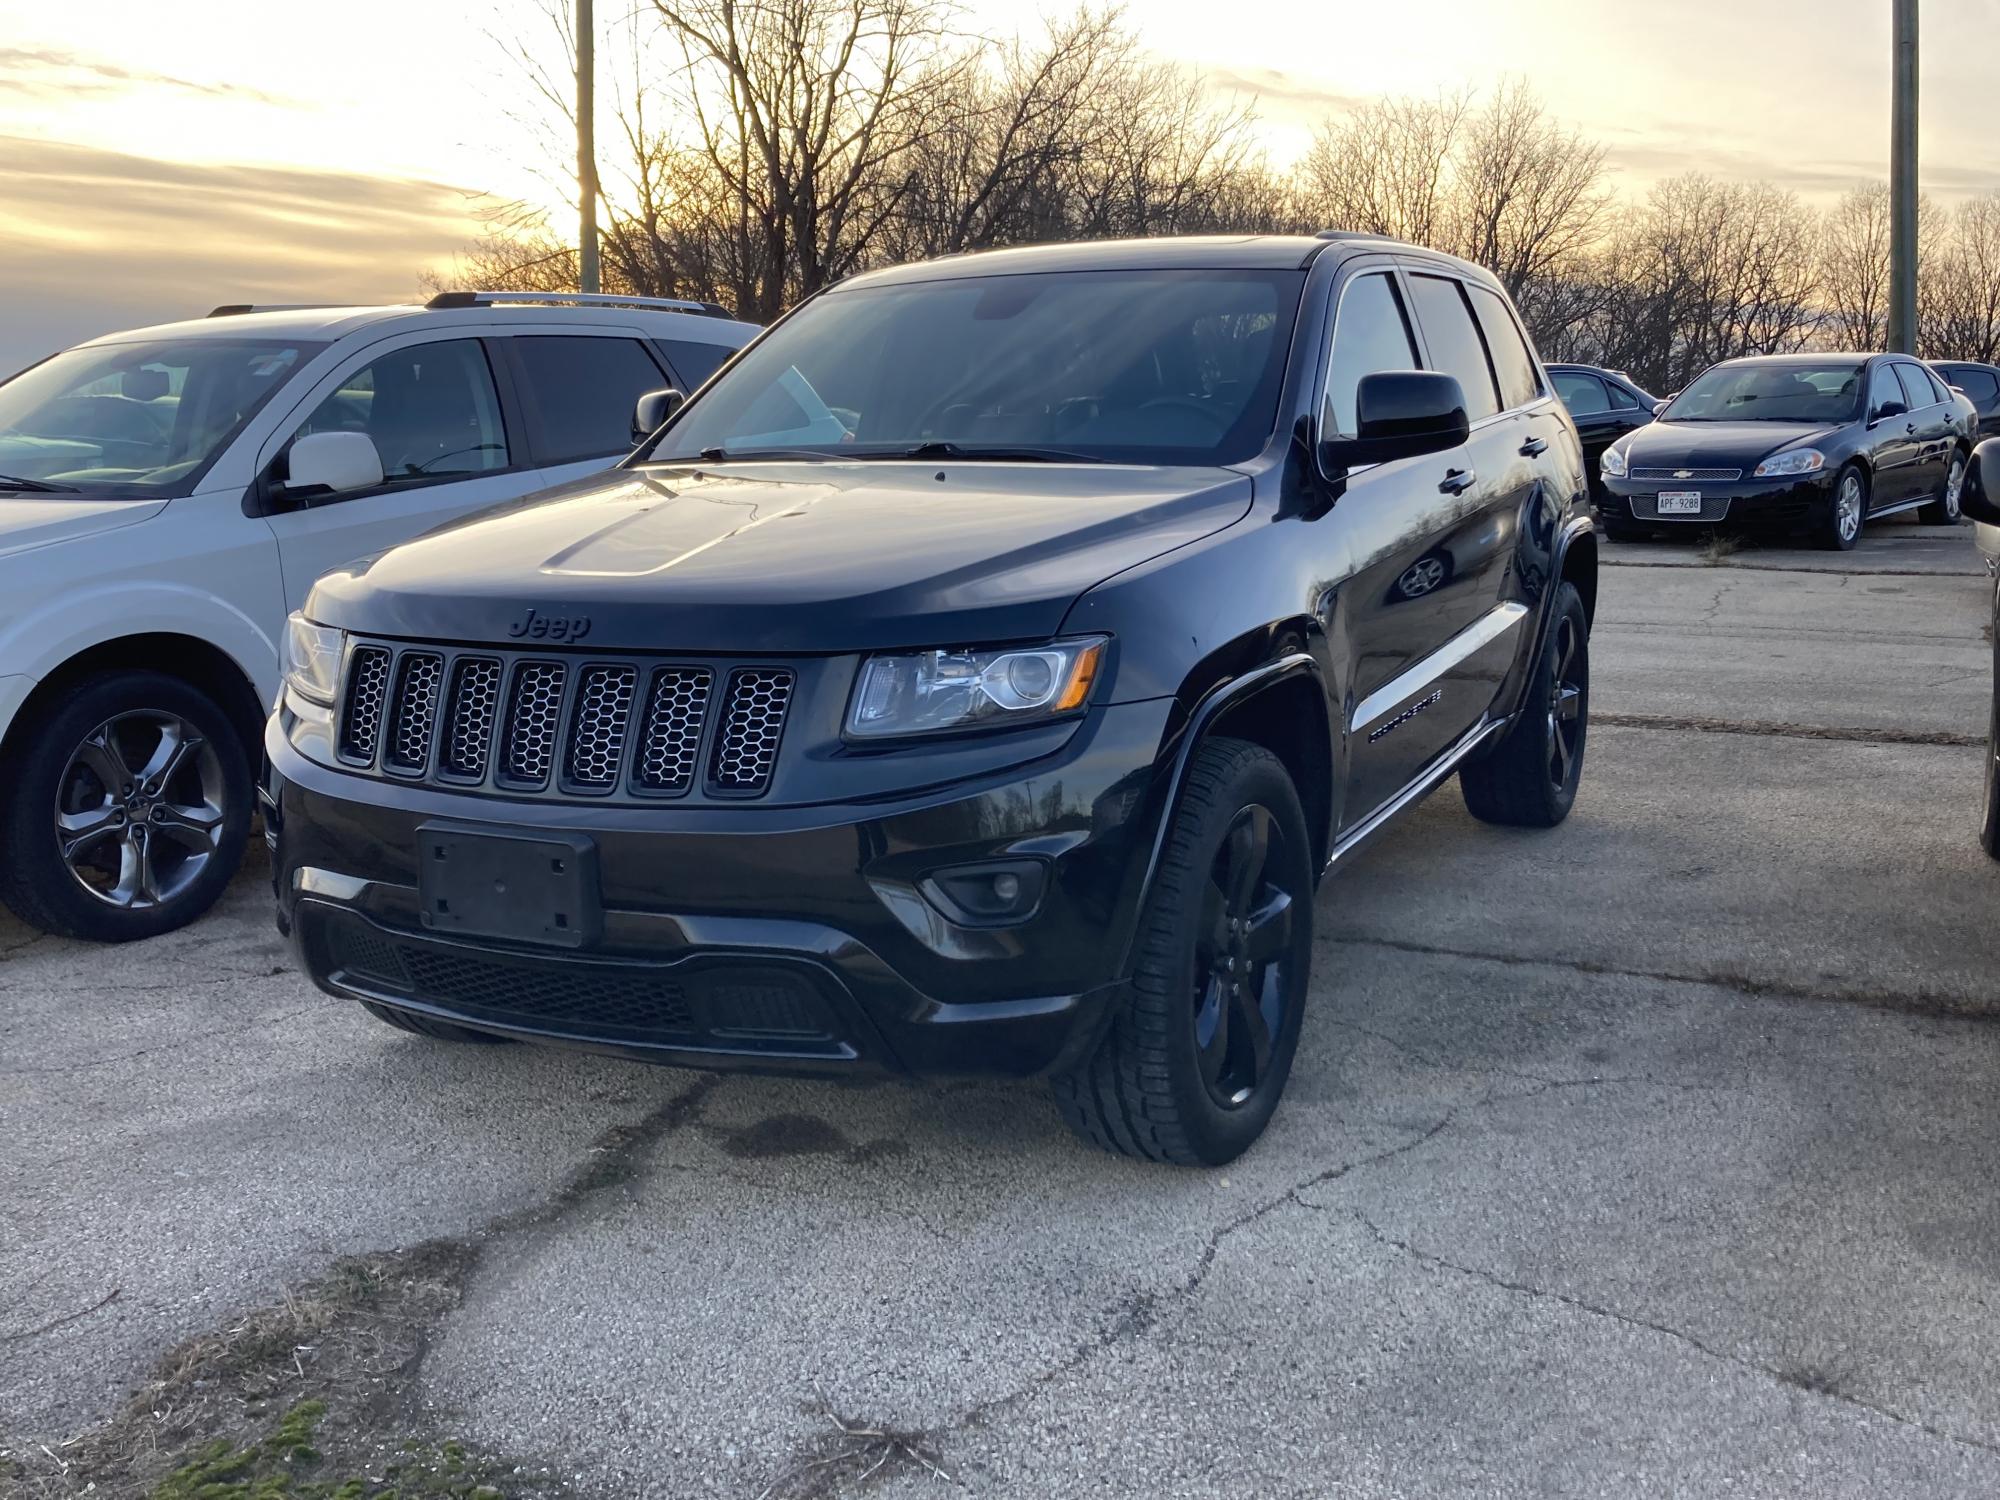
(1670,158)
(96,240)
(1279,87)
(47,71)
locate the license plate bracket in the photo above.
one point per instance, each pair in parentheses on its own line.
(1680,502)
(525,888)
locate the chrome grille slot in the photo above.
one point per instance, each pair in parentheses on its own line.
(472,706)
(1712,476)
(367,696)
(596,750)
(413,710)
(534,717)
(670,741)
(747,747)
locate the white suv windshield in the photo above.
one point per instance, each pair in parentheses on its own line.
(1151,367)
(135,420)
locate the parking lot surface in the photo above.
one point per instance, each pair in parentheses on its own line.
(1650,1155)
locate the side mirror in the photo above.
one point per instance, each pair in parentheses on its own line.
(1401,414)
(332,463)
(652,412)
(1660,408)
(1887,410)
(1980,499)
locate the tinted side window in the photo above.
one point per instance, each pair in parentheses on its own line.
(584,390)
(1621,398)
(1519,384)
(1454,342)
(430,409)
(1916,388)
(1883,387)
(1979,385)
(1371,335)
(1938,391)
(1582,394)
(694,363)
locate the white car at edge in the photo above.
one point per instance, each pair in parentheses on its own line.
(167,497)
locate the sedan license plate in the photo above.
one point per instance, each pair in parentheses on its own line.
(1680,502)
(527,889)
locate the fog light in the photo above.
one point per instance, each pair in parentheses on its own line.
(987,895)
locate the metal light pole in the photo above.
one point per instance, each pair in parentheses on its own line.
(586,146)
(1903,186)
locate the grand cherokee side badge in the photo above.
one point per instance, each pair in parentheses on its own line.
(540,627)
(1437,696)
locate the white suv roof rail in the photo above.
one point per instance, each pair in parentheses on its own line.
(579,299)
(233,309)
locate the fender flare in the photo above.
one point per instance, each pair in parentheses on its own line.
(1575,527)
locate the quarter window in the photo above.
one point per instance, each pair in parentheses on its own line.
(1916,387)
(1582,394)
(584,390)
(1370,336)
(430,409)
(1454,342)
(694,363)
(1621,398)
(1519,384)
(1979,385)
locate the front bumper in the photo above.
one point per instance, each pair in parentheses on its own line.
(793,938)
(1751,502)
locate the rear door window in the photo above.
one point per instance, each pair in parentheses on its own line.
(1519,384)
(1979,385)
(693,363)
(1582,394)
(1454,341)
(582,391)
(1370,336)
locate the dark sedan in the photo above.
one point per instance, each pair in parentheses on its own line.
(1605,405)
(1980,384)
(1820,443)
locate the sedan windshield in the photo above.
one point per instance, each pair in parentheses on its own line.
(1788,392)
(139,421)
(1148,367)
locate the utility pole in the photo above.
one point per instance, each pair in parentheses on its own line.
(1903,186)
(586,146)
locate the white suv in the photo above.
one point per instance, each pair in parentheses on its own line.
(168,495)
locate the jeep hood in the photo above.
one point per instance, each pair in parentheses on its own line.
(786,557)
(30,520)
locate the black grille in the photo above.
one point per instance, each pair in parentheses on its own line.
(367,693)
(747,748)
(473,705)
(1647,508)
(534,725)
(534,713)
(413,710)
(1722,476)
(596,751)
(670,744)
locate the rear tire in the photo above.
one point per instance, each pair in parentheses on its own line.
(1944,511)
(1846,512)
(1199,1049)
(422,1025)
(1529,780)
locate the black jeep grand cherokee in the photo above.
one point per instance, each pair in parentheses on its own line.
(978,674)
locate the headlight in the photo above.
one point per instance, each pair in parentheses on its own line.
(925,692)
(312,660)
(1791,461)
(1613,463)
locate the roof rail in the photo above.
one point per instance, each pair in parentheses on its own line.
(234,309)
(1351,234)
(578,299)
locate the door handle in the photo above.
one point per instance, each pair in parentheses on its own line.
(1911,428)
(1534,448)
(1457,481)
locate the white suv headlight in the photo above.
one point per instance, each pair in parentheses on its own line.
(1791,461)
(1612,463)
(312,661)
(925,692)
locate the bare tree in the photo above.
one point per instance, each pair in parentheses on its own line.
(1958,294)
(1528,194)
(1386,168)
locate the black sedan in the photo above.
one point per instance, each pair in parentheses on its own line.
(1980,384)
(1605,405)
(1821,443)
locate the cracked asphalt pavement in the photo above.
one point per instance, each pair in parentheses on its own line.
(1652,1155)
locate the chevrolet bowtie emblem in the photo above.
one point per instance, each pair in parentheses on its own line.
(1684,473)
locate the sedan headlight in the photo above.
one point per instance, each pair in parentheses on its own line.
(926,692)
(1791,461)
(312,661)
(1613,463)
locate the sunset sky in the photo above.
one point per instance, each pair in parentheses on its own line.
(156,160)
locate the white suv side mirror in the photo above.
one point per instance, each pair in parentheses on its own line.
(335,462)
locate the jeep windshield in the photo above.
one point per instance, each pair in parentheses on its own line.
(134,421)
(1139,367)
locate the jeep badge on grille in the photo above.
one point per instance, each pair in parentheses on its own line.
(535,626)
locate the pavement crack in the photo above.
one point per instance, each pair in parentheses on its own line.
(1793,1380)
(1846,735)
(1919,1002)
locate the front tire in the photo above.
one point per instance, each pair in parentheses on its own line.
(1198,1052)
(1944,511)
(1846,512)
(1530,779)
(128,812)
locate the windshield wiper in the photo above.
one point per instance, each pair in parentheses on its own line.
(731,455)
(38,486)
(994,454)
